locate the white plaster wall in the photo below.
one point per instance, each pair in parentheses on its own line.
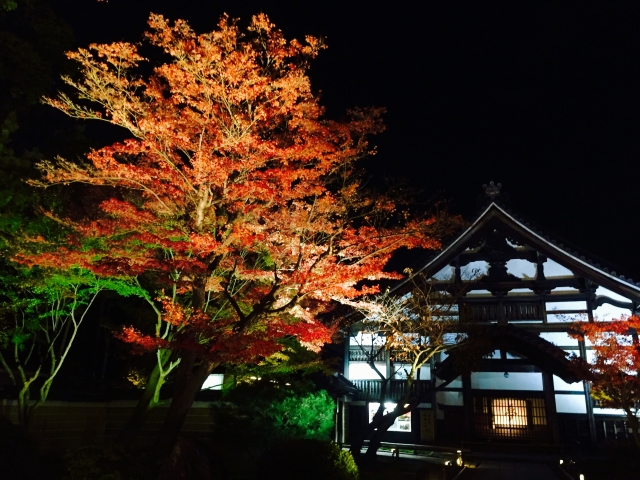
(446,273)
(521,268)
(566,317)
(562,339)
(607,312)
(497,381)
(362,371)
(579,305)
(213,382)
(450,398)
(400,374)
(609,411)
(474,269)
(554,269)
(570,404)
(365,339)
(559,384)
(608,293)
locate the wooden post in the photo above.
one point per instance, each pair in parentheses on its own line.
(347,349)
(587,396)
(550,407)
(468,405)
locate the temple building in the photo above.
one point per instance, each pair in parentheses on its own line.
(524,289)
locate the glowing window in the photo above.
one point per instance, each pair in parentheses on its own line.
(509,413)
(402,423)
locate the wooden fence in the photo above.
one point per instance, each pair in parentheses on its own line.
(57,426)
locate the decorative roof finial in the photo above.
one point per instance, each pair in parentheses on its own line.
(492,190)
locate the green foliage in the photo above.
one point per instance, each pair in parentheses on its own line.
(109,463)
(293,359)
(302,416)
(268,412)
(307,460)
(8,5)
(36,301)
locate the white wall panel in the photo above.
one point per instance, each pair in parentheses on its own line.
(362,371)
(474,269)
(213,382)
(608,293)
(497,381)
(559,384)
(554,269)
(566,317)
(521,268)
(559,338)
(570,404)
(609,411)
(580,305)
(609,312)
(450,398)
(446,273)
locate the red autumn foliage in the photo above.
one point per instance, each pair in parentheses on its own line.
(233,192)
(615,367)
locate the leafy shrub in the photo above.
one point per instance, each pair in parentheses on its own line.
(262,415)
(300,416)
(307,460)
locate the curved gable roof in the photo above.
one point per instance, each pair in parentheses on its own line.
(535,239)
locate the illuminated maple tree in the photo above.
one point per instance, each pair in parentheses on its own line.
(235,198)
(613,370)
(410,330)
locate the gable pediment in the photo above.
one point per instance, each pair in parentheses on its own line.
(498,239)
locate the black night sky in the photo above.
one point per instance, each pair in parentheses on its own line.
(540,96)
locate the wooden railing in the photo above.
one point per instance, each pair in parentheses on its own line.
(370,389)
(508,311)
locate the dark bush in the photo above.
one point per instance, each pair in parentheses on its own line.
(307,460)
(18,458)
(110,463)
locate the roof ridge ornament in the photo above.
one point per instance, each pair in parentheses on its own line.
(492,190)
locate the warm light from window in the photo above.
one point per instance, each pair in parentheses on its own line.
(509,413)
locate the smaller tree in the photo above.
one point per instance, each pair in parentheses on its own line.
(41,312)
(411,330)
(613,370)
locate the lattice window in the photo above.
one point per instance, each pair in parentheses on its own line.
(509,413)
(510,418)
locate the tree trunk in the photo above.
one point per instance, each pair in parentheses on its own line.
(634,423)
(136,421)
(378,433)
(358,441)
(189,380)
(384,425)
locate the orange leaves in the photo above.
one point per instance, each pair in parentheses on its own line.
(173,313)
(120,55)
(614,370)
(144,343)
(233,191)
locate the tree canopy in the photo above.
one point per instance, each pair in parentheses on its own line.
(234,196)
(613,371)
